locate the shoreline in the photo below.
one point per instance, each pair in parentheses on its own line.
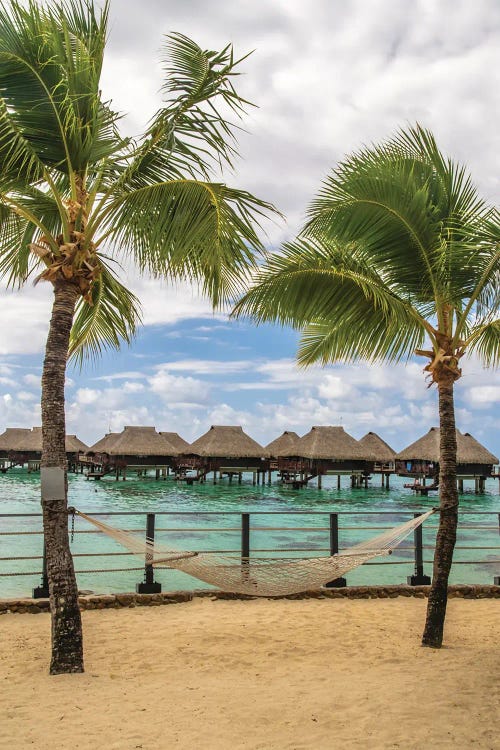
(90,600)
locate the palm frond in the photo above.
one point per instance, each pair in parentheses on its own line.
(315,280)
(419,220)
(203,232)
(50,65)
(345,309)
(485,342)
(361,333)
(191,131)
(112,318)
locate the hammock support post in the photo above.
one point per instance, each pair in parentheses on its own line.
(418,579)
(338,583)
(149,586)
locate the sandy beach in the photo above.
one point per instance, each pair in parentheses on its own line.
(295,675)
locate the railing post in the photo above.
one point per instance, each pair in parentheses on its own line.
(338,583)
(419,579)
(42,591)
(149,586)
(245,546)
(496,579)
(245,536)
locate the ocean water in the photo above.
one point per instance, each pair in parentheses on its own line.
(284,523)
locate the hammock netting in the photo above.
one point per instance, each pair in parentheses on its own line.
(261,576)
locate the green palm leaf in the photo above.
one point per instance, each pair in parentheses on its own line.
(112,317)
(188,229)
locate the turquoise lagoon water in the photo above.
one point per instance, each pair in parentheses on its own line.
(216,526)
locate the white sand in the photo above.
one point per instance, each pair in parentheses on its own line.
(224,675)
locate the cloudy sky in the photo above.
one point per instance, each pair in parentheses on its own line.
(327,76)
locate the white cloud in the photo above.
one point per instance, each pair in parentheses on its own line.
(133,387)
(484,396)
(207,366)
(173,389)
(24,319)
(26,396)
(87,396)
(128,375)
(31,379)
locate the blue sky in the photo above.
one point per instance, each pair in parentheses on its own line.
(327,76)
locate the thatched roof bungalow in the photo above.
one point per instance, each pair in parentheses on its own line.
(225,447)
(14,440)
(102,444)
(384,454)
(331,449)
(26,445)
(421,458)
(73,444)
(135,445)
(284,446)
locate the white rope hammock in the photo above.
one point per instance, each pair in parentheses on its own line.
(262,576)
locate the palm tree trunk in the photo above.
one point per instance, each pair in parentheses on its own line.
(447,531)
(67,640)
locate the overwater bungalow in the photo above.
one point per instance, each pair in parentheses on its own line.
(138,449)
(332,451)
(223,450)
(19,446)
(420,460)
(384,455)
(12,444)
(281,451)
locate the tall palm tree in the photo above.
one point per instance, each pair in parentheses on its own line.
(75,196)
(399,257)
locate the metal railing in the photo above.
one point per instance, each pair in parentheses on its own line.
(251,524)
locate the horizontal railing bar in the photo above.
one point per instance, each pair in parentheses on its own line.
(194,530)
(259,513)
(409,548)
(124,570)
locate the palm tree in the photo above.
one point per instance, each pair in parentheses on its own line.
(75,195)
(399,253)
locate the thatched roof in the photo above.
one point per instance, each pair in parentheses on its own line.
(30,441)
(477,453)
(75,445)
(104,443)
(175,439)
(374,443)
(332,443)
(426,448)
(227,442)
(14,439)
(284,445)
(140,441)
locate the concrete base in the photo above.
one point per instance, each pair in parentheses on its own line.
(338,583)
(418,580)
(41,592)
(148,588)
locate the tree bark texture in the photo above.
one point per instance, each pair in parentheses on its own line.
(447,531)
(67,639)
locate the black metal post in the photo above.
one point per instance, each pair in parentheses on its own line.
(149,586)
(419,579)
(338,583)
(496,579)
(245,536)
(42,591)
(245,545)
